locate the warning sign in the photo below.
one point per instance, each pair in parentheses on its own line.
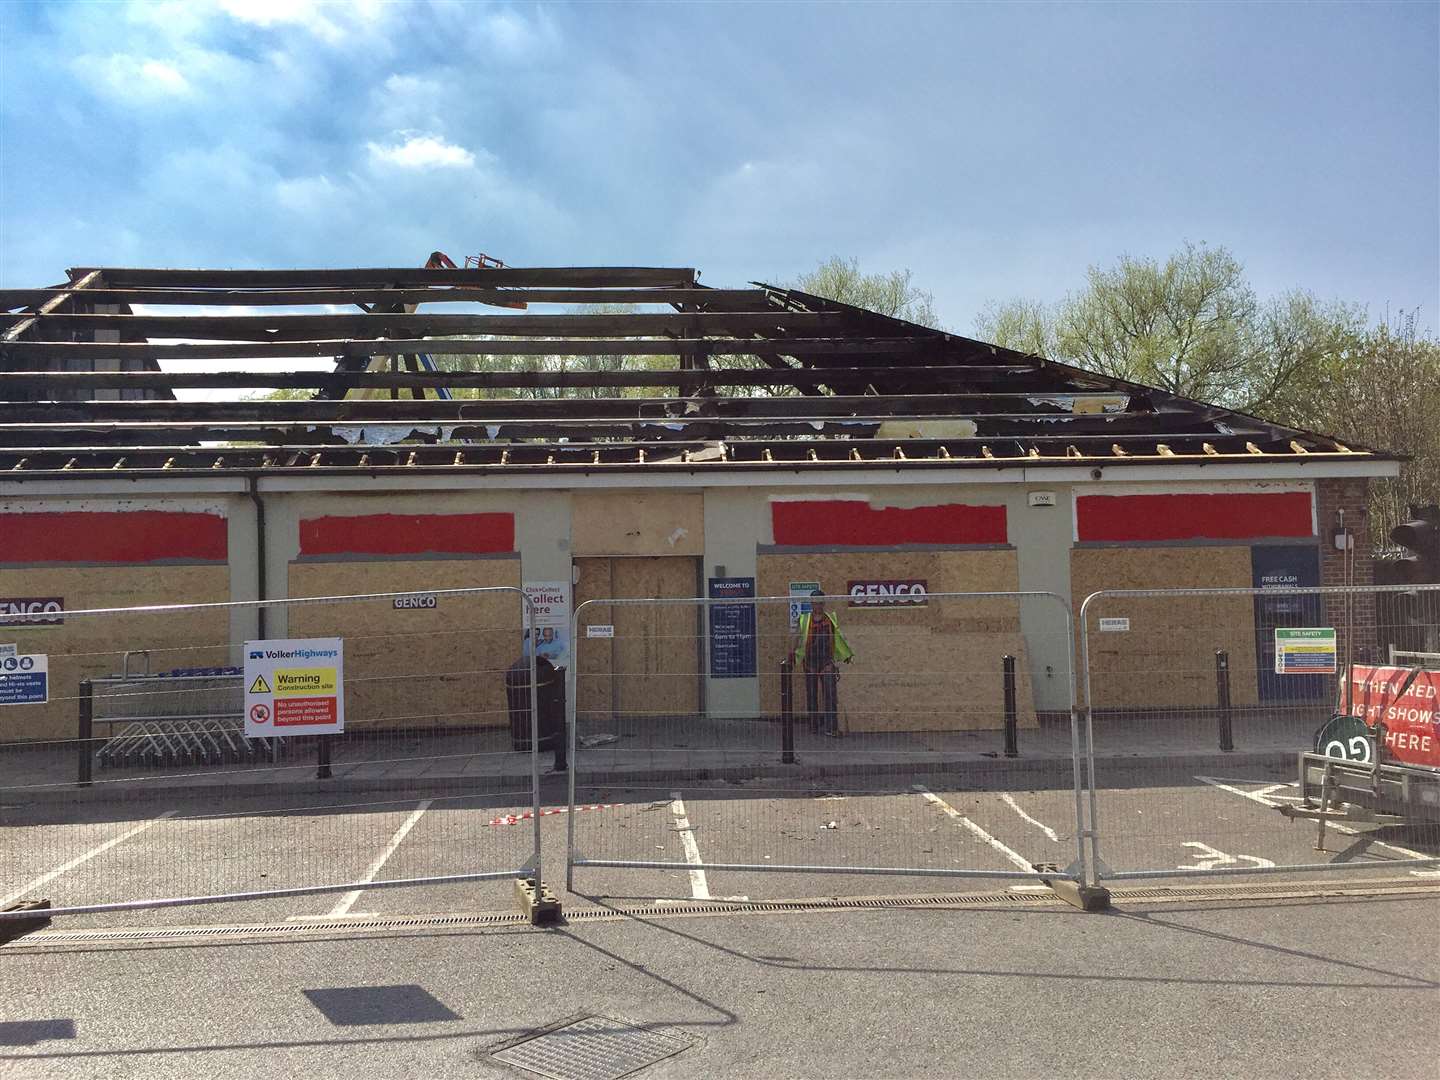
(1308,650)
(294,687)
(1405,705)
(24,679)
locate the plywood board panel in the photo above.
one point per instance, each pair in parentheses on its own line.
(651,664)
(657,645)
(936,667)
(1166,659)
(594,657)
(93,646)
(440,667)
(637,523)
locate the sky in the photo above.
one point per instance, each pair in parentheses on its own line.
(996,150)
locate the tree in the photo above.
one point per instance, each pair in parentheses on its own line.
(557,362)
(893,294)
(1380,391)
(1191,325)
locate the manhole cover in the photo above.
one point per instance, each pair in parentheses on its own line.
(593,1048)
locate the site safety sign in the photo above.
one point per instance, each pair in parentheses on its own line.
(24,679)
(294,686)
(1305,650)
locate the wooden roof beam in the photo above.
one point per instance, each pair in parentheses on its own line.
(744,299)
(348,410)
(389,325)
(1006,375)
(18,325)
(62,351)
(573,277)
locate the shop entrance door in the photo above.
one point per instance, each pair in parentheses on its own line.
(651,665)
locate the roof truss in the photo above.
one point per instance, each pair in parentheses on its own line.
(755,376)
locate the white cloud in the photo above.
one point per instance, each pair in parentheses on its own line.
(409,103)
(165,76)
(315,17)
(422,152)
(131,78)
(308,194)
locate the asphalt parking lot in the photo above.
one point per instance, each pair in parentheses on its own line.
(953,829)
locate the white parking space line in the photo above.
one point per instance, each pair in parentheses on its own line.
(1261,798)
(699,887)
(45,879)
(348,900)
(1009,801)
(1015,857)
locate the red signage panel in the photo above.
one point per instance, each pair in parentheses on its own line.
(1201,516)
(855,523)
(1411,717)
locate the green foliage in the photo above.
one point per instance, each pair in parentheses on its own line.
(556,362)
(1382,390)
(893,293)
(1191,325)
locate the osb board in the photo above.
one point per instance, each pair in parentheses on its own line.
(651,664)
(421,667)
(637,523)
(93,646)
(1167,657)
(924,668)
(923,680)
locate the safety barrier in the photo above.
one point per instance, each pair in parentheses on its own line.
(729,753)
(227,778)
(1205,737)
(1222,736)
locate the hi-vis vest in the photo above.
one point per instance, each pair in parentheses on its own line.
(843,652)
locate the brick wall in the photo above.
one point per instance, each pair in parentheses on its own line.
(1352,496)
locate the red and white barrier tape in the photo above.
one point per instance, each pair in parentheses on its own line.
(529,815)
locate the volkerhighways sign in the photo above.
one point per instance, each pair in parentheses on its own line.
(294,686)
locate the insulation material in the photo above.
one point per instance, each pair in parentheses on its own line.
(1193,516)
(1165,660)
(636,523)
(925,429)
(422,667)
(408,534)
(650,665)
(93,646)
(854,523)
(926,668)
(136,536)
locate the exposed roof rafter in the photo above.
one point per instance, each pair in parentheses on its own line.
(759,377)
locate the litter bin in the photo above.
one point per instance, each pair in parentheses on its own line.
(550,702)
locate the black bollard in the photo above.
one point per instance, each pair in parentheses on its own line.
(85,762)
(1222,696)
(787,714)
(1012,734)
(322,757)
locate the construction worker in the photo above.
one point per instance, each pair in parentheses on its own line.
(819,645)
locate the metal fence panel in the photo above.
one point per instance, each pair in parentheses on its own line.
(135,785)
(1204,745)
(700,739)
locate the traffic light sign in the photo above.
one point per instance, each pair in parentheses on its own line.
(1421,537)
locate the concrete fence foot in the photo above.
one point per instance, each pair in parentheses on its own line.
(538,902)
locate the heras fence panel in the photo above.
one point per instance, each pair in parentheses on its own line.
(1261,731)
(157,757)
(885,731)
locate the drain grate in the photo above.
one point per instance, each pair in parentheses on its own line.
(593,1048)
